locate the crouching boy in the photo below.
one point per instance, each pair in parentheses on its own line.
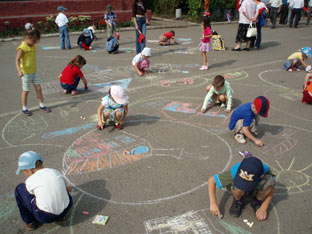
(44,197)
(249,176)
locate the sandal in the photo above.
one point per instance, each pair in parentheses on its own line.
(118,126)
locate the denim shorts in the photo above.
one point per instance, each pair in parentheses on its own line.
(28,79)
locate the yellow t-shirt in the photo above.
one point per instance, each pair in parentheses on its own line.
(28,60)
(296,55)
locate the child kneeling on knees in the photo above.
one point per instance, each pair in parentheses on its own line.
(44,197)
(245,119)
(297,58)
(249,176)
(72,74)
(114,107)
(219,92)
(141,62)
(166,37)
(307,89)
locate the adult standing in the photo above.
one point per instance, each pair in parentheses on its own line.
(284,12)
(247,11)
(309,12)
(297,5)
(140,19)
(274,10)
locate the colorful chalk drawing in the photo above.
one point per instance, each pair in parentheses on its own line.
(291,95)
(51,47)
(104,87)
(177,83)
(239,75)
(7,207)
(185,50)
(67,131)
(192,222)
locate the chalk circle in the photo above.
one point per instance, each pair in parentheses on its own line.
(285,97)
(188,110)
(163,171)
(235,75)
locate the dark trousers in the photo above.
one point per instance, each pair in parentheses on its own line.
(258,40)
(309,15)
(295,13)
(273,14)
(29,211)
(71,87)
(284,14)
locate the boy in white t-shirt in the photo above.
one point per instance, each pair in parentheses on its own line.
(141,62)
(44,197)
(62,22)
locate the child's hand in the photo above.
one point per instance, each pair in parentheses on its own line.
(214,209)
(227,111)
(20,74)
(259,143)
(141,73)
(203,110)
(100,126)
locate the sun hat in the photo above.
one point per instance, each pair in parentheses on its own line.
(119,94)
(61,8)
(307,51)
(262,105)
(86,32)
(27,160)
(147,52)
(248,174)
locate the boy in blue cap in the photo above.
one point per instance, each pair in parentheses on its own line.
(85,39)
(244,120)
(44,196)
(62,22)
(249,176)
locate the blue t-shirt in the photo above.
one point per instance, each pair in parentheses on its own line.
(110,17)
(242,112)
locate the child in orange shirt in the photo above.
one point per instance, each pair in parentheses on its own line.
(307,89)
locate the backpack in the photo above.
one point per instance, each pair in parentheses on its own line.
(111,45)
(218,43)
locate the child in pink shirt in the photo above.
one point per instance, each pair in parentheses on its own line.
(204,46)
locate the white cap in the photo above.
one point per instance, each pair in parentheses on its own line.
(147,52)
(28,26)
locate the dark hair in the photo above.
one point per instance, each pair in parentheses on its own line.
(218,81)
(173,33)
(206,21)
(39,163)
(77,60)
(32,33)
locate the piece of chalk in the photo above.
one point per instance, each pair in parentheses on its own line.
(245,220)
(251,224)
(85,212)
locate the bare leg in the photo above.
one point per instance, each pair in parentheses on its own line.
(24,97)
(238,194)
(39,93)
(204,54)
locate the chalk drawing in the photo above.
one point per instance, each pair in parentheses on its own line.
(104,87)
(7,208)
(93,151)
(286,141)
(291,95)
(191,222)
(94,73)
(51,47)
(235,75)
(185,51)
(127,50)
(51,87)
(67,131)
(176,83)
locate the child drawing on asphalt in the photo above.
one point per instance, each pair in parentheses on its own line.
(296,59)
(141,62)
(114,107)
(85,39)
(204,46)
(27,69)
(44,197)
(245,119)
(307,89)
(219,92)
(249,176)
(71,75)
(166,37)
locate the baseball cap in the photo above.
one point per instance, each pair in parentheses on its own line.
(109,7)
(28,26)
(119,94)
(27,160)
(146,52)
(307,51)
(61,8)
(248,174)
(262,105)
(86,32)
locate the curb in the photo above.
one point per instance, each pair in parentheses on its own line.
(188,24)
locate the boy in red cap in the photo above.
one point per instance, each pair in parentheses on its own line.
(244,120)
(249,176)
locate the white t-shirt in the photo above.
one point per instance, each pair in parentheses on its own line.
(61,20)
(91,29)
(48,185)
(249,7)
(138,58)
(296,4)
(110,104)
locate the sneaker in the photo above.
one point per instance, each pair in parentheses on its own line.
(45,109)
(118,126)
(32,226)
(223,105)
(26,112)
(240,138)
(65,91)
(236,209)
(203,68)
(74,92)
(290,70)
(255,205)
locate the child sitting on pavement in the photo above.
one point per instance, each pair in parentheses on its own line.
(72,74)
(307,89)
(85,39)
(141,62)
(44,197)
(297,58)
(112,44)
(166,37)
(249,176)
(219,92)
(114,107)
(244,120)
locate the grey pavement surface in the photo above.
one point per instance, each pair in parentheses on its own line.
(162,187)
